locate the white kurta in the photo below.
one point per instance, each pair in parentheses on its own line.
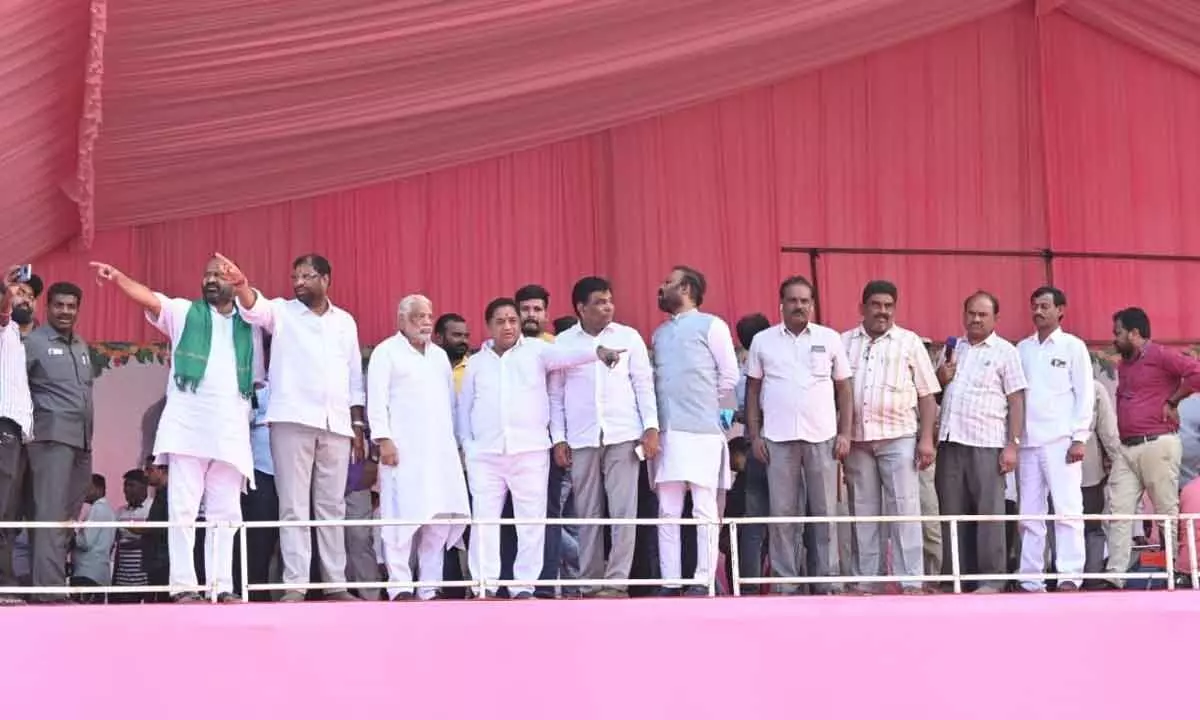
(214,421)
(410,401)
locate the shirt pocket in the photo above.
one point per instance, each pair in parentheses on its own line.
(820,365)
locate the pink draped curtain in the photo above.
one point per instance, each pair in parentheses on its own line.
(931,144)
(998,134)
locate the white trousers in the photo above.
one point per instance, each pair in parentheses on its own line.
(1044,471)
(670,549)
(490,476)
(219,485)
(431,548)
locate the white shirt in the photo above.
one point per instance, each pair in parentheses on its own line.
(260,434)
(214,421)
(1061,395)
(316,364)
(504,405)
(16,403)
(975,403)
(593,404)
(797,373)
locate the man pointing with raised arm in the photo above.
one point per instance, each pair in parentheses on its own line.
(315,414)
(205,426)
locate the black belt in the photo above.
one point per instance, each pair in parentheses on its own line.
(1142,439)
(10,425)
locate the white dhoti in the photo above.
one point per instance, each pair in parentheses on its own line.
(699,464)
(491,476)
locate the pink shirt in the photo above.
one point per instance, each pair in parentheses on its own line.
(1145,383)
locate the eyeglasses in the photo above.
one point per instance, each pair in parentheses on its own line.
(305,277)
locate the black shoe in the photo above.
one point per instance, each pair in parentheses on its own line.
(544,594)
(523,595)
(186,597)
(228,598)
(403,596)
(695,591)
(669,592)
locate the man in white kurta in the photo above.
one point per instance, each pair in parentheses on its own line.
(410,410)
(503,422)
(695,366)
(203,433)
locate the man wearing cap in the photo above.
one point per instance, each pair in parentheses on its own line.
(16,413)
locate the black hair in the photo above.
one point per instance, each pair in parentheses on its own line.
(319,263)
(65,288)
(738,445)
(879,287)
(749,326)
(1134,318)
(693,280)
(532,292)
(137,475)
(1058,296)
(496,304)
(565,323)
(99,483)
(983,294)
(439,326)
(795,280)
(585,287)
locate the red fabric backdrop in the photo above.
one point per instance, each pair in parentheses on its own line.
(999,136)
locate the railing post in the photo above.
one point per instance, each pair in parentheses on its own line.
(244,545)
(1191,541)
(734,566)
(714,553)
(1169,550)
(955,561)
(210,562)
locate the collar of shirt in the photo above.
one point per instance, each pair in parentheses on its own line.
(988,341)
(53,335)
(1051,339)
(861,332)
(783,328)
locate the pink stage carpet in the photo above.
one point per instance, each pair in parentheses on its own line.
(1104,655)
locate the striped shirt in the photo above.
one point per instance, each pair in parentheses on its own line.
(16,404)
(891,373)
(975,403)
(128,568)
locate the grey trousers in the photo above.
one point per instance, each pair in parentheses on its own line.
(361,564)
(882,480)
(598,474)
(310,476)
(11,476)
(802,481)
(60,475)
(969,482)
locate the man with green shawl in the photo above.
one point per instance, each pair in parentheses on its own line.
(204,431)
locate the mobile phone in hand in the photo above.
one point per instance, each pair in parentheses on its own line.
(24,273)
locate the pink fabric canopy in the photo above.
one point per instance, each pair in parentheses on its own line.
(264,129)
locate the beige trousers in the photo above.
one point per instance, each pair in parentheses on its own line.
(1152,468)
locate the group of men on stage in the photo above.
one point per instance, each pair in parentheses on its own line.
(456,435)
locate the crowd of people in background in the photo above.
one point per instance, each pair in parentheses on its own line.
(272,413)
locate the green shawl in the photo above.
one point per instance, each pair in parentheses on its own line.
(191,354)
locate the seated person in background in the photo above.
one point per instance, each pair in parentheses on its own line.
(92,558)
(128,569)
(735,507)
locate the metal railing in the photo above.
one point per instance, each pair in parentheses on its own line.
(482,586)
